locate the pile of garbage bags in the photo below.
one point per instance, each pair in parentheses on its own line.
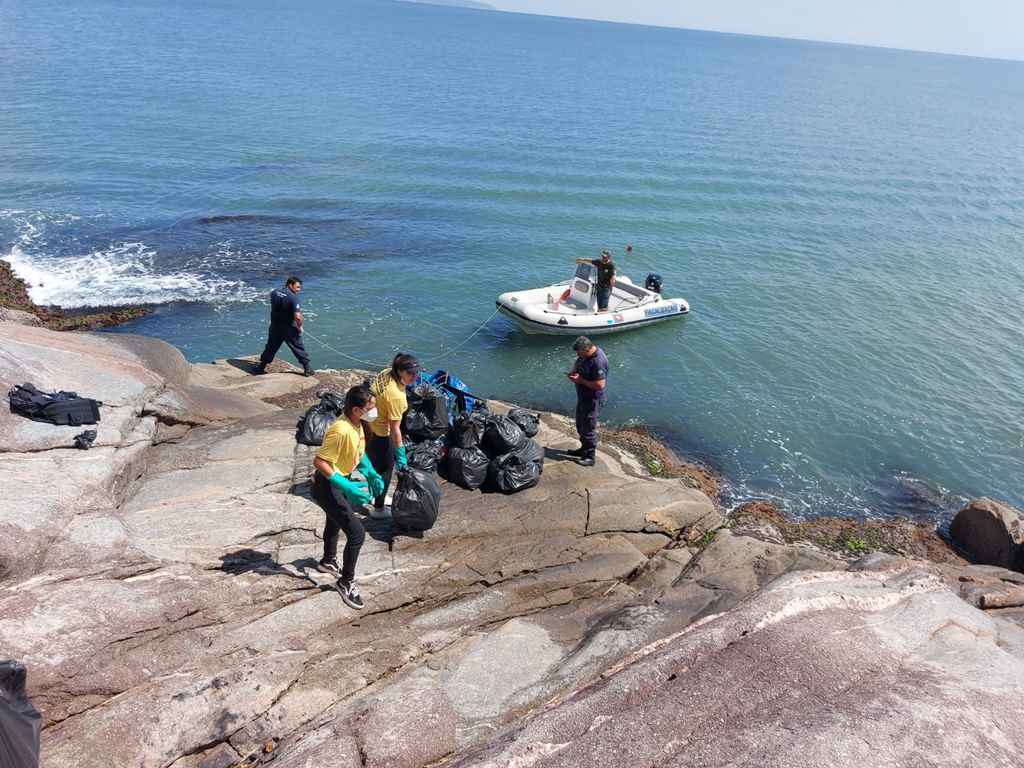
(452,432)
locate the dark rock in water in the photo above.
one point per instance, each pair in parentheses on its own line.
(991,533)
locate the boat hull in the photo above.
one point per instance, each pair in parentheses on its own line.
(592,324)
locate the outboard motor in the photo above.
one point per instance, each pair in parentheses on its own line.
(653,283)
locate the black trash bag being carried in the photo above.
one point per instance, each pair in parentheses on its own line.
(468,429)
(60,408)
(501,436)
(20,723)
(467,467)
(427,455)
(427,417)
(518,470)
(528,422)
(416,502)
(318,418)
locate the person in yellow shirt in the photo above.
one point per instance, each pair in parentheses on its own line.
(384,436)
(339,495)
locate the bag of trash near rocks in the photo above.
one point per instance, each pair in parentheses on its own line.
(20,723)
(518,470)
(468,429)
(501,436)
(527,421)
(319,417)
(427,455)
(427,417)
(416,502)
(466,467)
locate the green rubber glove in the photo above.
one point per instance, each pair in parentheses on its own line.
(401,461)
(373,478)
(355,492)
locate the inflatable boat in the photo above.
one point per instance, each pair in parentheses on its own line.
(570,308)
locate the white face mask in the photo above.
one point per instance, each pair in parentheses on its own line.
(370,415)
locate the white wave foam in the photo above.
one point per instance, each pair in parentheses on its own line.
(122,274)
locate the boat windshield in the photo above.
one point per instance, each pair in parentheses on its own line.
(584,271)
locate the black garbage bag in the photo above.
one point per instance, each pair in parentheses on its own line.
(427,417)
(427,455)
(528,422)
(319,417)
(466,467)
(518,470)
(416,502)
(20,723)
(468,429)
(501,436)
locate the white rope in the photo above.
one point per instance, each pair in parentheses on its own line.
(376,366)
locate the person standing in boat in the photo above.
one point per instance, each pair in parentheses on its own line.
(605,278)
(590,375)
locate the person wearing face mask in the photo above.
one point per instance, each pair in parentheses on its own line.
(384,435)
(343,451)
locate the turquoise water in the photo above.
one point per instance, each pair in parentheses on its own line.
(847,223)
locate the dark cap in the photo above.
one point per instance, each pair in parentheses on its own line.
(582,342)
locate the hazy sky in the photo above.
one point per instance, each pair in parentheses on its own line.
(975,27)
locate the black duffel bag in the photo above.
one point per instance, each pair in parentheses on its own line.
(518,470)
(427,455)
(527,421)
(318,418)
(501,436)
(416,502)
(427,417)
(466,467)
(65,409)
(468,429)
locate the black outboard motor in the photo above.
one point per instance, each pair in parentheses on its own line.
(653,283)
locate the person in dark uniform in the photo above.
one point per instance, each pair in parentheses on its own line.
(285,326)
(605,278)
(590,375)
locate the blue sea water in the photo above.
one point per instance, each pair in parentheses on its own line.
(847,223)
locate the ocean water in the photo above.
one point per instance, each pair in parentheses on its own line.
(847,223)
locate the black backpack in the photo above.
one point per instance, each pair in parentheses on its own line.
(61,408)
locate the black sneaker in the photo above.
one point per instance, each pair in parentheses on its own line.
(329,566)
(350,594)
(581,451)
(587,460)
(308,371)
(260,370)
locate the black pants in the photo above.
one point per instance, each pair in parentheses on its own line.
(340,517)
(284,334)
(382,456)
(587,411)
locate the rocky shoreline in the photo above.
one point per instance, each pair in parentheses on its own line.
(160,588)
(16,306)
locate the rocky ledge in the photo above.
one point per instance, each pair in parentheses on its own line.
(160,587)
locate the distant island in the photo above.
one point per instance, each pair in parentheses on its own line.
(455,3)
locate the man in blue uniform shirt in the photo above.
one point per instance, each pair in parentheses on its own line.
(285,326)
(590,375)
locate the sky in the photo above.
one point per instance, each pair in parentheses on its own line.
(993,28)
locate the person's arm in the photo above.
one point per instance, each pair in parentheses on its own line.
(395,430)
(612,283)
(323,467)
(298,321)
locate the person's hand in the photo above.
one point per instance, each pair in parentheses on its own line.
(401,460)
(375,483)
(358,494)
(573,377)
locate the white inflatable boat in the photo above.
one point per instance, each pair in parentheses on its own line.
(570,307)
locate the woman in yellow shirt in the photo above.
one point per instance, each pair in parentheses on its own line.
(343,452)
(384,437)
